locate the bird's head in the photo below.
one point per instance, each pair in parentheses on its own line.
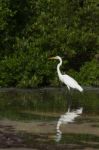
(56,57)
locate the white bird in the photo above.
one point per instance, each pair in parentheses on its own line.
(66,79)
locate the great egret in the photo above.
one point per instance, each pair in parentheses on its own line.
(66,79)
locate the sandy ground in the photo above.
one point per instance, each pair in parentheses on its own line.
(50,127)
(42,132)
(38,149)
(17,149)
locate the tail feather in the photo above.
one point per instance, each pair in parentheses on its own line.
(80,88)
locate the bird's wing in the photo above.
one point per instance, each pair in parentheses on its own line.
(69,81)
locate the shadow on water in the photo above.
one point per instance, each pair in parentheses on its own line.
(33,119)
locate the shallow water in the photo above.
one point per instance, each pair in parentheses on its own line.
(49,118)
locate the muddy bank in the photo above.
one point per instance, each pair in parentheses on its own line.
(20,141)
(41,136)
(87,126)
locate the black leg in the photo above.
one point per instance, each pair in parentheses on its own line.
(69,101)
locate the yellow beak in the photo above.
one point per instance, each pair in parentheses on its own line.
(52,58)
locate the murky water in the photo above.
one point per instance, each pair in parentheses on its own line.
(49,119)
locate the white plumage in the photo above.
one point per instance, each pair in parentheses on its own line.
(66,79)
(71,83)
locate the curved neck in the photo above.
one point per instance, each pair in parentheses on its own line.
(58,67)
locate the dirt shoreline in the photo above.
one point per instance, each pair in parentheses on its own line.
(38,127)
(18,135)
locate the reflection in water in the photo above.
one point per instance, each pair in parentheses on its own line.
(33,114)
(68,117)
